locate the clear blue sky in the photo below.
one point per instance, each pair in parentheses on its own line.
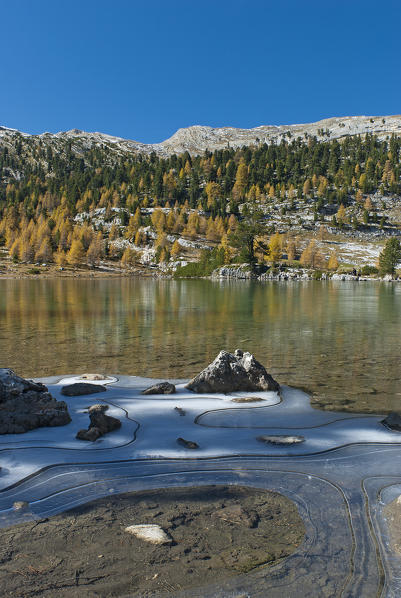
(142,69)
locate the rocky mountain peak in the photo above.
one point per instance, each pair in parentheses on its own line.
(198,138)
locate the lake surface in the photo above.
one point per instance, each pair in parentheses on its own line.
(341,341)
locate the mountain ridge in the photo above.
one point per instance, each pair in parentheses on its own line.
(197,138)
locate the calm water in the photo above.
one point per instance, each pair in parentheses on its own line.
(339,340)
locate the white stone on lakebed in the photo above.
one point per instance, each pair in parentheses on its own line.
(150,533)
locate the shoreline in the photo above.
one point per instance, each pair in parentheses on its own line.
(241,271)
(103,274)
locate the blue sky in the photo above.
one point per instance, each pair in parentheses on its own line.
(142,69)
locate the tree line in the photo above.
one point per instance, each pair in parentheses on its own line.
(44,185)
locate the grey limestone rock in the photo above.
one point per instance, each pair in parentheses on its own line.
(233,372)
(162,388)
(26,405)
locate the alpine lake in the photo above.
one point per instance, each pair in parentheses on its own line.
(338,341)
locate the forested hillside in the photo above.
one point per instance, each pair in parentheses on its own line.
(71,203)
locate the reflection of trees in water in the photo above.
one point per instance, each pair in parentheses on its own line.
(340,340)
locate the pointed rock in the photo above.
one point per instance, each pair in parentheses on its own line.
(233,372)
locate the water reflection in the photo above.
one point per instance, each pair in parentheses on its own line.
(340,340)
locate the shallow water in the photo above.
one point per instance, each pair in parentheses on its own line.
(339,340)
(337,478)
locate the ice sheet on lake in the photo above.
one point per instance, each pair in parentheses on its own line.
(343,464)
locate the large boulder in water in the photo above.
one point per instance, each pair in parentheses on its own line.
(233,372)
(26,405)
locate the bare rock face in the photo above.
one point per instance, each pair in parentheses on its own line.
(100,424)
(162,388)
(82,388)
(26,405)
(232,372)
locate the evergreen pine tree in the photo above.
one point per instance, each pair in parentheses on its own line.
(390,257)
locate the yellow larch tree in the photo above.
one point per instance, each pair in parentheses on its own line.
(333,261)
(76,253)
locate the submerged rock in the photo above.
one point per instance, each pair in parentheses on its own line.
(162,388)
(20,505)
(81,388)
(281,439)
(189,444)
(150,533)
(392,421)
(100,424)
(232,372)
(26,405)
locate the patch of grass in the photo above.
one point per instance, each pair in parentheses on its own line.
(33,271)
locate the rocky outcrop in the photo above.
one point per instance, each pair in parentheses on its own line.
(197,138)
(162,388)
(243,271)
(100,424)
(26,405)
(240,272)
(233,372)
(82,388)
